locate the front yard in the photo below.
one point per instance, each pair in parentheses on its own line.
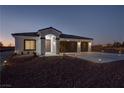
(62,72)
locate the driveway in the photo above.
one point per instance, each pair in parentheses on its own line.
(99,57)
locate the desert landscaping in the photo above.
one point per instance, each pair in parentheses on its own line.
(60,72)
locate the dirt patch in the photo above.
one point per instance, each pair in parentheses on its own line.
(60,72)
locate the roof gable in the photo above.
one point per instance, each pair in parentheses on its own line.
(50,30)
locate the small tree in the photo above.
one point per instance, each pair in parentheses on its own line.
(109,45)
(122,44)
(117,44)
(1,44)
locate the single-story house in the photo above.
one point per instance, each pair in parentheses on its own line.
(50,41)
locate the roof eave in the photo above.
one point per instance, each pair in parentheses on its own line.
(77,38)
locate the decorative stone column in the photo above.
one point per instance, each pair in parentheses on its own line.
(89,46)
(78,46)
(42,45)
(57,45)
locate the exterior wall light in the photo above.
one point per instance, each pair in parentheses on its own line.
(90,43)
(54,42)
(79,43)
(89,46)
(5,61)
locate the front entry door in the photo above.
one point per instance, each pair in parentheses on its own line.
(48,45)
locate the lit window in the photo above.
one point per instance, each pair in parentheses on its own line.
(30,44)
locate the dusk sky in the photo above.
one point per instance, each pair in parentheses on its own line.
(103,23)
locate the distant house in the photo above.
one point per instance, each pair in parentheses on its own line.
(50,41)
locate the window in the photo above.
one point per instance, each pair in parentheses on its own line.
(29,44)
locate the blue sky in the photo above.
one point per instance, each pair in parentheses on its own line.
(103,23)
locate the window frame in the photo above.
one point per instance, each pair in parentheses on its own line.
(29,49)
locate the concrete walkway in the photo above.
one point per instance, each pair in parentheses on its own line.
(98,57)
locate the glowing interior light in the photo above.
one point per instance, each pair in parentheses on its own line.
(30,44)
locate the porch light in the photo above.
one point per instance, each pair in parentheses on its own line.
(54,42)
(99,59)
(15,52)
(5,61)
(90,43)
(67,40)
(79,43)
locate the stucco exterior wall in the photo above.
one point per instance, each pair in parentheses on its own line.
(79,46)
(40,42)
(54,44)
(89,46)
(38,46)
(19,44)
